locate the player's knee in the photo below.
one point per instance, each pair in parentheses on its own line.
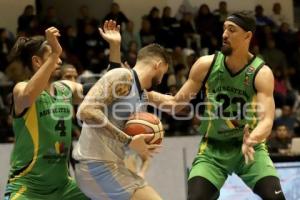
(272,196)
(201,189)
(268,188)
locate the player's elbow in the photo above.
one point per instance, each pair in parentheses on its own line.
(83,112)
(268,124)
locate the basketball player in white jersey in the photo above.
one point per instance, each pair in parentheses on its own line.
(101,173)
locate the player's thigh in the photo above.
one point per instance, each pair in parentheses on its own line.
(261,167)
(203,167)
(145,193)
(107,180)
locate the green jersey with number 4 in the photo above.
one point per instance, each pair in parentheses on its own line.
(43,139)
(230,99)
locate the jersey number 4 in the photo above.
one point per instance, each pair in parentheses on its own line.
(60,126)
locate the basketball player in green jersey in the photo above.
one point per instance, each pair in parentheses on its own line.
(42,120)
(42,124)
(238,117)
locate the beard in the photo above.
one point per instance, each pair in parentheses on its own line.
(226,50)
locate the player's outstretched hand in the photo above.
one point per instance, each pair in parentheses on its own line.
(140,145)
(247,147)
(111,32)
(51,36)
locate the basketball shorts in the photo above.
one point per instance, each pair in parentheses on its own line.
(20,191)
(107,180)
(217,159)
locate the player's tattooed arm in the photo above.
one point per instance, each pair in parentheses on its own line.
(113,85)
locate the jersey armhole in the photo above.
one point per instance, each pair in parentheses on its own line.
(209,70)
(254,76)
(13,112)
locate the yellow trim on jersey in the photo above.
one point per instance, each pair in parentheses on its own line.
(203,146)
(19,193)
(31,123)
(229,124)
(253,105)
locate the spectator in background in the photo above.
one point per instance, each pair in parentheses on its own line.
(69,40)
(261,19)
(222,12)
(129,35)
(26,19)
(6,44)
(178,78)
(166,19)
(286,41)
(180,12)
(273,56)
(51,18)
(277,17)
(221,15)
(170,34)
(287,119)
(178,56)
(91,49)
(117,15)
(282,88)
(281,140)
(205,24)
(85,18)
(263,35)
(69,72)
(146,34)
(154,20)
(6,132)
(191,37)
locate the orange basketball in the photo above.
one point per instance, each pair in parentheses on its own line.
(145,123)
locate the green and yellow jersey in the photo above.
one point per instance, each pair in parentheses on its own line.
(43,139)
(230,99)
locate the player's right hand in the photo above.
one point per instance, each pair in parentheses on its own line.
(145,150)
(111,32)
(51,36)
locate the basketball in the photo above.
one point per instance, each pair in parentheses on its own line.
(145,123)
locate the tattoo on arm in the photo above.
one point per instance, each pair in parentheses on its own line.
(111,86)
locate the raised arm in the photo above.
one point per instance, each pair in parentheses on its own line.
(111,34)
(188,91)
(25,93)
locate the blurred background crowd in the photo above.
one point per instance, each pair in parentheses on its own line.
(187,35)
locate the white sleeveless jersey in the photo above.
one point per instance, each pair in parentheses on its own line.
(94,144)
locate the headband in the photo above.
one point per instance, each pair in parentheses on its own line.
(238,20)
